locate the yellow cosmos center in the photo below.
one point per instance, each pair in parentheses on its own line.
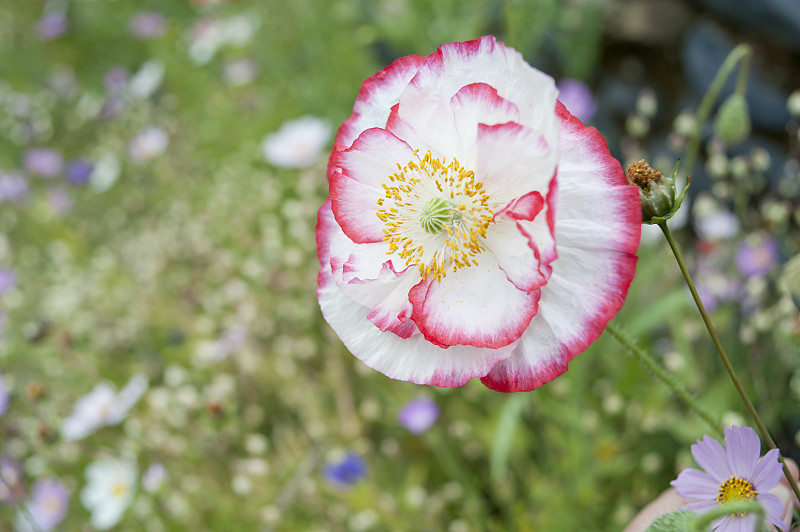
(735,489)
(436,215)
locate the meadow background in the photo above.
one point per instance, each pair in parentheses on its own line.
(143,231)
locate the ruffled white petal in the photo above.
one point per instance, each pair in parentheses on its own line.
(591,275)
(413,359)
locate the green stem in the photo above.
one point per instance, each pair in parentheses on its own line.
(724,357)
(665,377)
(740,53)
(702,522)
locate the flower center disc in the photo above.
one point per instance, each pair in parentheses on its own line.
(735,489)
(436,215)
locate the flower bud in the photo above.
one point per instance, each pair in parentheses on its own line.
(656,191)
(732,123)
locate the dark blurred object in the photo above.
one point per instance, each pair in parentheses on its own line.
(651,22)
(777,20)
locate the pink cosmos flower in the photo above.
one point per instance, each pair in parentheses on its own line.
(731,474)
(474,227)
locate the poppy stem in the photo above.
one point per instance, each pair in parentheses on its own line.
(673,384)
(724,357)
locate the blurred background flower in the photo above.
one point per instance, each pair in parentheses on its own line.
(345,470)
(109,490)
(46,508)
(418,415)
(297,143)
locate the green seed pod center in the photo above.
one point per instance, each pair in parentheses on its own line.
(437,214)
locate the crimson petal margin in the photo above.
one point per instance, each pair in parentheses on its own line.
(378,94)
(476,305)
(356,187)
(588,284)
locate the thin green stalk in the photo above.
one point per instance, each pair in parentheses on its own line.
(724,357)
(646,359)
(703,521)
(741,53)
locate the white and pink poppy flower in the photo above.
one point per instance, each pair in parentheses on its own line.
(474,227)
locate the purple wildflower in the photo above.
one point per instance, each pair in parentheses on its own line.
(52,26)
(418,415)
(758,257)
(7,279)
(12,481)
(734,473)
(147,25)
(577,98)
(346,471)
(42,162)
(3,405)
(13,188)
(47,507)
(78,171)
(116,80)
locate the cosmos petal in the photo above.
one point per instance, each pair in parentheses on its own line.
(742,448)
(710,455)
(768,472)
(773,507)
(694,484)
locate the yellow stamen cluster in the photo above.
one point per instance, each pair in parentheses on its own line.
(735,489)
(416,201)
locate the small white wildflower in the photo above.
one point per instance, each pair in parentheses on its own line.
(101,407)
(111,485)
(148,144)
(298,143)
(146,80)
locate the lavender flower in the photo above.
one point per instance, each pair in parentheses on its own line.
(147,25)
(52,26)
(577,98)
(346,471)
(12,481)
(79,171)
(418,415)
(7,279)
(116,80)
(47,507)
(734,473)
(3,408)
(13,188)
(757,257)
(42,162)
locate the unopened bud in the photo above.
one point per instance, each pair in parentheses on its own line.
(656,191)
(732,123)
